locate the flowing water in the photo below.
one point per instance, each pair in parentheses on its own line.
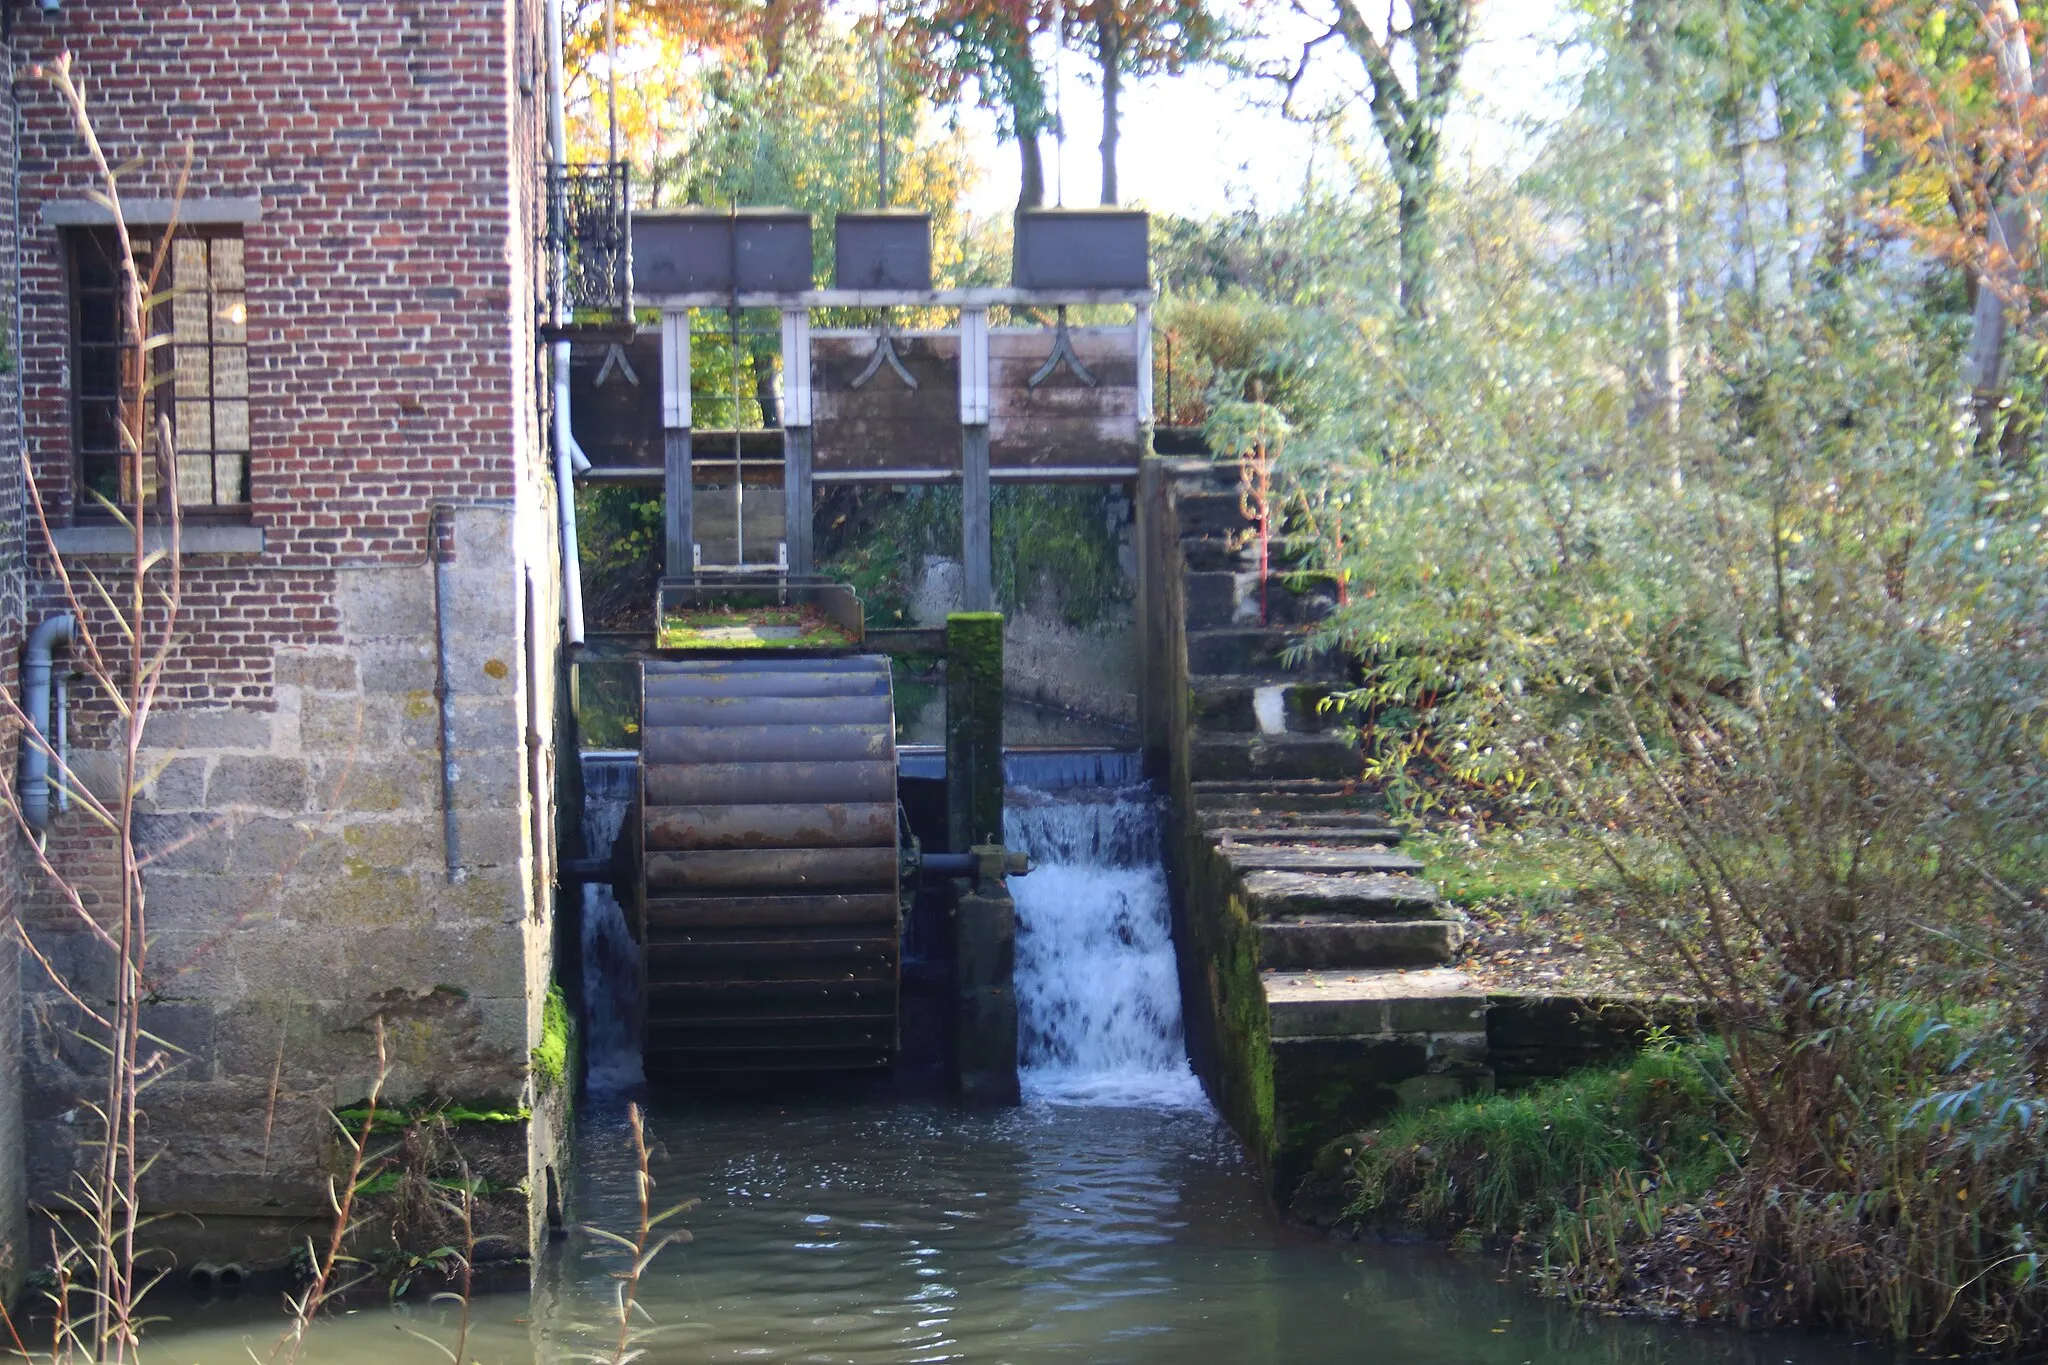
(1109,1219)
(611,970)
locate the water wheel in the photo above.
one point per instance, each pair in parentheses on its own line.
(769,865)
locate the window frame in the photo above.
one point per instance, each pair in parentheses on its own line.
(163,364)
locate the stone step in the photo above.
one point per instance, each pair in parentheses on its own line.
(1304,895)
(1219,598)
(1301,798)
(1297,835)
(1275,756)
(1212,554)
(1254,651)
(1230,554)
(1208,599)
(1437,1000)
(1294,945)
(1255,703)
(1213,512)
(1368,824)
(1194,475)
(1329,862)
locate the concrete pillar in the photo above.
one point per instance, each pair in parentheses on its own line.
(985,999)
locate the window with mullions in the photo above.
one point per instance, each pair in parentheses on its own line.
(199,371)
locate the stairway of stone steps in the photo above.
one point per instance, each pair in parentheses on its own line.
(1352,938)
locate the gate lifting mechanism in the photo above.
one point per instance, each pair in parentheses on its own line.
(969,404)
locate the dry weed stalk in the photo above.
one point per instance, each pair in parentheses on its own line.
(327,1266)
(125,631)
(640,1249)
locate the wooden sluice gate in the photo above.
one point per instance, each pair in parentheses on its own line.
(771,868)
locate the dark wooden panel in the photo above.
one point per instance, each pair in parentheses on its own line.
(705,784)
(765,743)
(885,424)
(617,421)
(852,710)
(1064,422)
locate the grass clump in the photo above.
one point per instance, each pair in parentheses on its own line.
(1521,1164)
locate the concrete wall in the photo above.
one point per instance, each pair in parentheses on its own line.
(1091,670)
(1224,1007)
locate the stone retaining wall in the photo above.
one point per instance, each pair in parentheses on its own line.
(299,891)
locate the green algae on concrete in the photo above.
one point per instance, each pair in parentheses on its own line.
(751,628)
(551,1054)
(1230,1009)
(974,729)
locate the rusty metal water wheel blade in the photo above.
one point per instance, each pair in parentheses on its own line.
(768,848)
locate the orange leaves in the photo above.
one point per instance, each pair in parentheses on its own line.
(1956,101)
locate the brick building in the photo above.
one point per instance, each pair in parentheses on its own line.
(353,363)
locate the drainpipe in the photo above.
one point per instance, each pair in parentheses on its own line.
(441,536)
(569,457)
(36,668)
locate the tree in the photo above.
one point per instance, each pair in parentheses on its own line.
(1139,38)
(766,28)
(1962,102)
(1407,114)
(950,45)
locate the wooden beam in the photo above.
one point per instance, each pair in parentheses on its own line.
(976,553)
(796,438)
(1141,327)
(899,298)
(678,486)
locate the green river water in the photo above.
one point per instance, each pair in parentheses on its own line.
(911,1232)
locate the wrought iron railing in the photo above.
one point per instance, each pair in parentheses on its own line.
(589,255)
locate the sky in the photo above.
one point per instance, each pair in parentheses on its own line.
(1205,142)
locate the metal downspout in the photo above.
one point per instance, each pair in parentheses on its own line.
(36,668)
(568,456)
(442,547)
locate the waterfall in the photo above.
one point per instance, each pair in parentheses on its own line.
(611,963)
(1098,991)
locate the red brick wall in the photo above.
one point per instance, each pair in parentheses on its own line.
(392,145)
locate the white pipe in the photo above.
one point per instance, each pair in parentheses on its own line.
(36,668)
(568,456)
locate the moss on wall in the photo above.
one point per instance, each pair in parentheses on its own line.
(1225,944)
(551,1055)
(974,728)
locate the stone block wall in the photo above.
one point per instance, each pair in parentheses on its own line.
(299,890)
